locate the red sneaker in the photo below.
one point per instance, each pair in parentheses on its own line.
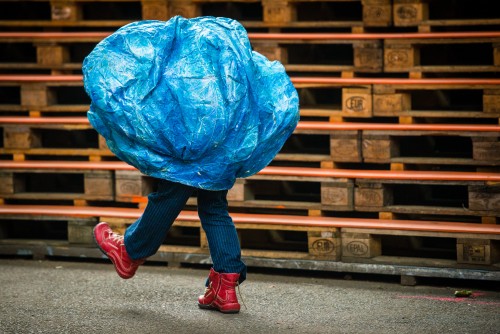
(112,245)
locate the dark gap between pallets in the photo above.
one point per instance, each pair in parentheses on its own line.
(10,95)
(67,138)
(33,229)
(434,146)
(71,95)
(320,97)
(17,53)
(329,11)
(234,10)
(285,191)
(456,54)
(320,54)
(48,183)
(295,241)
(307,144)
(25,10)
(419,247)
(111,11)
(459,9)
(78,51)
(447,99)
(430,195)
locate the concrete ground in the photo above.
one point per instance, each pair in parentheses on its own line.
(81,297)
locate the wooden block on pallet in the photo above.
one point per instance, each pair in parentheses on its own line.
(369,194)
(377,13)
(379,148)
(155,10)
(368,56)
(50,54)
(66,11)
(360,245)
(486,149)
(478,251)
(491,101)
(272,51)
(410,12)
(278,11)
(240,191)
(338,195)
(81,231)
(391,104)
(7,183)
(99,183)
(485,198)
(132,185)
(184,8)
(345,146)
(400,57)
(20,137)
(357,102)
(324,245)
(496,54)
(36,95)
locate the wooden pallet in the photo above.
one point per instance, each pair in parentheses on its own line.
(353,243)
(360,97)
(417,148)
(252,13)
(77,187)
(442,55)
(431,14)
(71,137)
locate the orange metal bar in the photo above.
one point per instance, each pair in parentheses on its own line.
(303,125)
(275,171)
(277,36)
(20,78)
(243,218)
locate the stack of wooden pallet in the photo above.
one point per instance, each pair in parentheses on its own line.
(393,169)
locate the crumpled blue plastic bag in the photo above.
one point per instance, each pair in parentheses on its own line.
(187,100)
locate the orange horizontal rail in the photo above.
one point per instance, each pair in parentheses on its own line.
(24,78)
(276,36)
(267,219)
(302,125)
(275,171)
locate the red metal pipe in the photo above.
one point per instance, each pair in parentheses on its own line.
(21,78)
(278,36)
(243,218)
(275,171)
(303,125)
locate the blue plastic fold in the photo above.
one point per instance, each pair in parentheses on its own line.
(187,100)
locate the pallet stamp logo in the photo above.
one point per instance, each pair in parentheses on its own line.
(397,57)
(474,253)
(355,103)
(357,248)
(323,246)
(407,12)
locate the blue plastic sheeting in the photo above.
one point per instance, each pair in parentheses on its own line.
(187,100)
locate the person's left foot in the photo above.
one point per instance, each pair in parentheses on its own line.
(112,245)
(221,293)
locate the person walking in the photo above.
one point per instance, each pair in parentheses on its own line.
(188,102)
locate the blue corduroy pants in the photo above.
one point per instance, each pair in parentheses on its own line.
(145,236)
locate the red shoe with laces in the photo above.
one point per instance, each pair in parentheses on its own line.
(221,293)
(112,245)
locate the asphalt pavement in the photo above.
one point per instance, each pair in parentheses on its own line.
(82,297)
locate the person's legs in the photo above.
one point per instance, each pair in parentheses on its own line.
(145,236)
